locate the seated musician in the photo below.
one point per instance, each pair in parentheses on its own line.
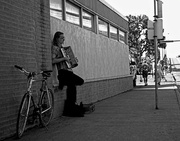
(66,77)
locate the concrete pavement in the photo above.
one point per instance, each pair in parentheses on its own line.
(129,116)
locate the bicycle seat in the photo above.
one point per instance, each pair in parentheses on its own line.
(47,73)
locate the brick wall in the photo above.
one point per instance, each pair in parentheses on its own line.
(92,92)
(25,41)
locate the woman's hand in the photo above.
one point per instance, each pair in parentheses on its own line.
(76,59)
(66,59)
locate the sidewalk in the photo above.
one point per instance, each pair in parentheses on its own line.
(130,116)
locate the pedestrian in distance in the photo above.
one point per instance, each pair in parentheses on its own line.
(159,73)
(145,70)
(133,72)
(66,77)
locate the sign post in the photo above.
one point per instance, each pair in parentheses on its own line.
(158,30)
(155,32)
(155,47)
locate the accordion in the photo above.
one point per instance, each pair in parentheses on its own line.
(67,52)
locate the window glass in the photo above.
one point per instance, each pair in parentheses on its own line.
(121,36)
(113,32)
(72,13)
(56,14)
(87,20)
(56,4)
(103,27)
(56,8)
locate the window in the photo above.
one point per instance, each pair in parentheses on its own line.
(72,14)
(103,27)
(113,32)
(87,20)
(122,36)
(56,8)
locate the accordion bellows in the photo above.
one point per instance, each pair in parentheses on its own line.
(67,52)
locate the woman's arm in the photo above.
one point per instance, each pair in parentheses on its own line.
(58,60)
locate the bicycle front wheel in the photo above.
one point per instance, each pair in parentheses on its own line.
(47,107)
(23,115)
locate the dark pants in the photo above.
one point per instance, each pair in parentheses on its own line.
(145,76)
(71,80)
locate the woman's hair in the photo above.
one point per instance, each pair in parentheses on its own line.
(56,36)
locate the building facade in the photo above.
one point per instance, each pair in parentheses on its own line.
(96,32)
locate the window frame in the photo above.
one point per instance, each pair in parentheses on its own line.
(57,10)
(122,38)
(72,14)
(110,33)
(91,19)
(100,31)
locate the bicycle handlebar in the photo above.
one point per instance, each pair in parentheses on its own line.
(22,70)
(18,67)
(44,73)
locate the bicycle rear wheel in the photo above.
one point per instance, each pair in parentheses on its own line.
(47,107)
(23,115)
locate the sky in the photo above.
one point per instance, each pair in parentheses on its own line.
(171,18)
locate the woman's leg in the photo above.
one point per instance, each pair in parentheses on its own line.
(146,77)
(71,93)
(70,80)
(146,80)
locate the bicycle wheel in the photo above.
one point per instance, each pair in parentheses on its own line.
(47,107)
(23,115)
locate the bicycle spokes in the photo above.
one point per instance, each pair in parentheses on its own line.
(23,115)
(47,105)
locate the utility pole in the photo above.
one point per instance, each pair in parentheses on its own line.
(155,44)
(158,30)
(155,32)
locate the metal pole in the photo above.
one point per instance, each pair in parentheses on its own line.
(155,45)
(169,41)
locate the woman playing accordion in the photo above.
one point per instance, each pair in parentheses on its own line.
(66,76)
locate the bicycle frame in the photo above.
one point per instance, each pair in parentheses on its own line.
(42,108)
(31,80)
(43,88)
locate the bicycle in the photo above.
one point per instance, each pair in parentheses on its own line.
(30,111)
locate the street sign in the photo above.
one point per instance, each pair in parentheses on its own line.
(159,8)
(159,29)
(150,30)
